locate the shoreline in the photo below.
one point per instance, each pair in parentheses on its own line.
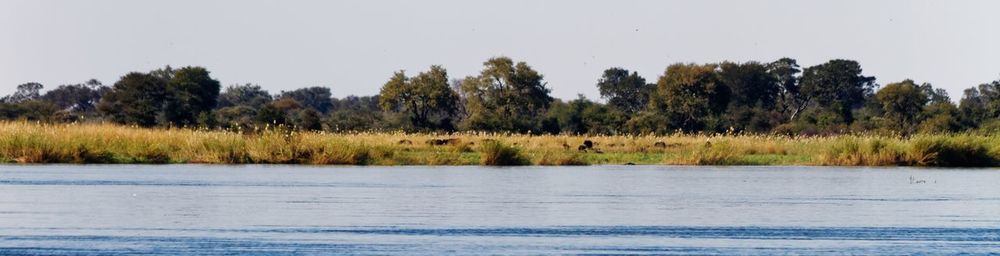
(34,143)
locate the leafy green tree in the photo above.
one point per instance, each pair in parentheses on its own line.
(270,115)
(353,113)
(649,122)
(941,117)
(191,92)
(309,120)
(837,88)
(754,94)
(935,95)
(249,95)
(82,98)
(627,92)
(137,98)
(238,105)
(902,105)
(563,117)
(427,100)
(972,108)
(242,117)
(582,116)
(31,110)
(208,119)
(287,105)
(688,96)
(25,92)
(980,105)
(505,97)
(165,73)
(991,97)
(317,98)
(791,100)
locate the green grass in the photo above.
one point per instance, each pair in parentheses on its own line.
(23,142)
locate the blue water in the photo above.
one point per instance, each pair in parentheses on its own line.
(296,210)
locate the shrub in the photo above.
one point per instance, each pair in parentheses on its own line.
(950,152)
(497,154)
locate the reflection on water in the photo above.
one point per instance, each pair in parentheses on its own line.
(276,210)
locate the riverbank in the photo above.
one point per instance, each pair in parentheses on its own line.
(22,142)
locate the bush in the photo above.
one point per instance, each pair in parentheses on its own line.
(950,152)
(497,154)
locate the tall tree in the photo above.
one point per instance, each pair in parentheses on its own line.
(627,92)
(427,100)
(688,95)
(754,94)
(972,108)
(980,104)
(25,92)
(77,97)
(505,96)
(790,101)
(136,98)
(902,105)
(991,96)
(191,92)
(837,87)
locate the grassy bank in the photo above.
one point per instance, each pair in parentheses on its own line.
(22,142)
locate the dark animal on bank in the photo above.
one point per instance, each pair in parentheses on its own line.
(587,145)
(565,146)
(442,142)
(405,142)
(660,144)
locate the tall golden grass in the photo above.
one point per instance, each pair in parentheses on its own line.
(25,142)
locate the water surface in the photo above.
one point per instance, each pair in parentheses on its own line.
(297,210)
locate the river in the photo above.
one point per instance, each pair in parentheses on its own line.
(305,210)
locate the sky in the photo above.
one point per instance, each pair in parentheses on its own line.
(353,47)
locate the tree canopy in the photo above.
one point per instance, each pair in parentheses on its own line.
(505,97)
(779,97)
(426,99)
(137,98)
(627,92)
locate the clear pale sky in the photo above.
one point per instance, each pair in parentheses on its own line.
(354,46)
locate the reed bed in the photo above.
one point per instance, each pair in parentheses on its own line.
(25,142)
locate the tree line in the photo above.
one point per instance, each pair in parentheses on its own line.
(507,96)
